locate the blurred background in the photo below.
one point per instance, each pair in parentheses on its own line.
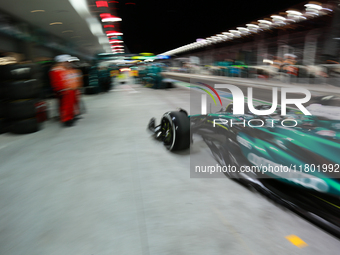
(79,81)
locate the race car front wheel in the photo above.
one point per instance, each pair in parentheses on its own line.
(175,127)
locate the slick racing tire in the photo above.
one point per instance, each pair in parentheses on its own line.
(22,89)
(18,71)
(167,85)
(175,127)
(22,109)
(25,126)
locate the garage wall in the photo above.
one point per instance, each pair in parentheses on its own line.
(8,44)
(40,51)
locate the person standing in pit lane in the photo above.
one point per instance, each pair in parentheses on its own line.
(62,82)
(76,82)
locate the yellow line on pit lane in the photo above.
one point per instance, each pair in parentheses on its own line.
(297,241)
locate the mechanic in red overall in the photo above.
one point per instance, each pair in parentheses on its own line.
(61,76)
(76,82)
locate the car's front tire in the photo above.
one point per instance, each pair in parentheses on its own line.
(175,127)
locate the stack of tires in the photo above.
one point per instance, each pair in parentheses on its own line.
(21,105)
(93,83)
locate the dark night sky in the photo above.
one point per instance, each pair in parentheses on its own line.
(159,26)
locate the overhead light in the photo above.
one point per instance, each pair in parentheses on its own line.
(115,41)
(110,33)
(68,31)
(111,19)
(313,10)
(107,26)
(313,6)
(38,11)
(295,13)
(235,33)
(277,17)
(56,23)
(117,46)
(252,25)
(243,29)
(102,4)
(264,21)
(108,17)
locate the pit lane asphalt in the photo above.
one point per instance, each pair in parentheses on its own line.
(105,186)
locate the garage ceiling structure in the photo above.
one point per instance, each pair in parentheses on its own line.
(70,20)
(148,25)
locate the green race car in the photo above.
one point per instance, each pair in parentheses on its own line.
(291,158)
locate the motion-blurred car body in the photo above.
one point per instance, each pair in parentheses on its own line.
(301,157)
